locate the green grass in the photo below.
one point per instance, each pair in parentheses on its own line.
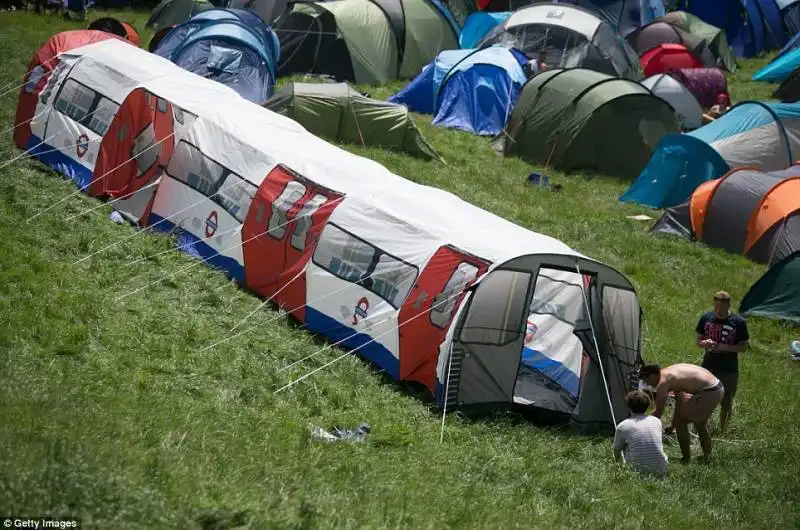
(111,414)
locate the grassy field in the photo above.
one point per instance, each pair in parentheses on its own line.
(109,412)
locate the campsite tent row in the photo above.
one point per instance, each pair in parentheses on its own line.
(622,15)
(432,289)
(752,26)
(566,36)
(364,41)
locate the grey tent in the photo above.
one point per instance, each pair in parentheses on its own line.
(339,113)
(172,12)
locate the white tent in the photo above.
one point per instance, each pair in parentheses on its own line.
(372,260)
(688,110)
(82,96)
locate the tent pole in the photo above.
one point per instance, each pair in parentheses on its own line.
(446,390)
(597,349)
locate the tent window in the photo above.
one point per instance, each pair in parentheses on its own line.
(55,78)
(279,219)
(304,221)
(498,311)
(86,106)
(33,79)
(559,47)
(161,105)
(212,179)
(559,294)
(235,195)
(444,303)
(143,151)
(352,259)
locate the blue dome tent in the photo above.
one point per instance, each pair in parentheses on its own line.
(232,46)
(751,26)
(470,90)
(753,133)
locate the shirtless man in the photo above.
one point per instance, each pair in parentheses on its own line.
(697,393)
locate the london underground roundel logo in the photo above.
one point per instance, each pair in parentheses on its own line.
(82,145)
(212,222)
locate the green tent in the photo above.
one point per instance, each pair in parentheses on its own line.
(339,113)
(580,119)
(777,293)
(171,12)
(363,41)
(714,37)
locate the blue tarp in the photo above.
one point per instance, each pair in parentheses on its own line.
(553,369)
(742,21)
(231,46)
(774,34)
(470,90)
(478,25)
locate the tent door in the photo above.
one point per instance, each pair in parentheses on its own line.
(553,355)
(438,292)
(281,230)
(151,159)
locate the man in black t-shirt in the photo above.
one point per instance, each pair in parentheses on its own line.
(723,335)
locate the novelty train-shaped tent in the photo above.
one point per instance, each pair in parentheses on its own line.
(40,68)
(432,289)
(65,111)
(366,270)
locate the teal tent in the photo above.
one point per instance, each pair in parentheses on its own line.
(777,293)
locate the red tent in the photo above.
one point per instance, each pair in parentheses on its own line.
(667,57)
(39,69)
(116,27)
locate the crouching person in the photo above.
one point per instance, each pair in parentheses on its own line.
(639,438)
(697,393)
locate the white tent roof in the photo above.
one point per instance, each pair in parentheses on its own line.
(556,15)
(236,121)
(688,110)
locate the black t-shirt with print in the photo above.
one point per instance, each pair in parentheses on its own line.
(729,330)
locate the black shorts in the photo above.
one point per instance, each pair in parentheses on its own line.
(730,380)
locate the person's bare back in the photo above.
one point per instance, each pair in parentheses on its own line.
(684,377)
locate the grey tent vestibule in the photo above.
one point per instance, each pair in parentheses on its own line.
(582,380)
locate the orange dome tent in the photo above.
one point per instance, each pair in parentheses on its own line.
(747,211)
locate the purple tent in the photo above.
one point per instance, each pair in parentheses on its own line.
(706,84)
